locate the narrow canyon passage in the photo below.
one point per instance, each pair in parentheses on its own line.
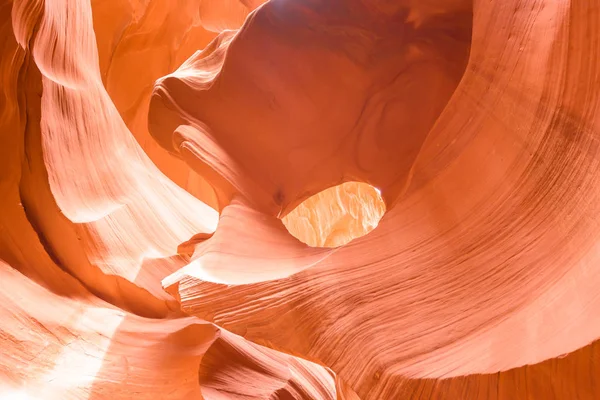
(299,199)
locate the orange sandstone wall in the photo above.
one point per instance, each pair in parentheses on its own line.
(149,150)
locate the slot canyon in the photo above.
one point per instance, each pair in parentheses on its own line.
(299,199)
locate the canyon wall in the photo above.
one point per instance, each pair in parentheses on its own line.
(317,199)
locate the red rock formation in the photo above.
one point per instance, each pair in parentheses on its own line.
(151,141)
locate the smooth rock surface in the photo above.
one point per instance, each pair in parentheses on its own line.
(155,156)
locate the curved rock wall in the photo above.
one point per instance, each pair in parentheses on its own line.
(149,150)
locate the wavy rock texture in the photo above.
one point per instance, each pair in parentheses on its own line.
(336,216)
(156,155)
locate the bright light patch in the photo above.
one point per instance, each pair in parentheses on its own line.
(16,395)
(337,215)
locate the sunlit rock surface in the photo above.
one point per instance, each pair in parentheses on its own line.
(337,215)
(171,225)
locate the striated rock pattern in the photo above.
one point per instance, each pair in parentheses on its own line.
(317,199)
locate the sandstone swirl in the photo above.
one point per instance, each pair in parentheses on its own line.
(316,199)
